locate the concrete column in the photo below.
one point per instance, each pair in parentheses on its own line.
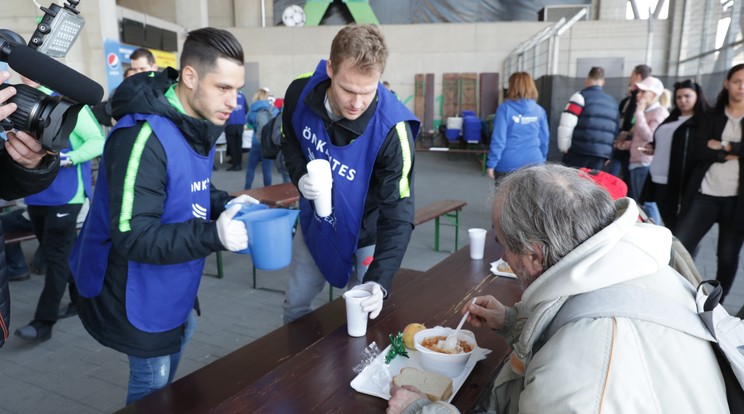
(192,14)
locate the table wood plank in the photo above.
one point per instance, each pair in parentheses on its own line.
(307,366)
(278,195)
(209,386)
(317,379)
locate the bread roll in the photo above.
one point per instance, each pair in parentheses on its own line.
(437,387)
(504,267)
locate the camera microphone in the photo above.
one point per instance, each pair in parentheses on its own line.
(52,74)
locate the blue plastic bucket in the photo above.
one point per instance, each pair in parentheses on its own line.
(270,237)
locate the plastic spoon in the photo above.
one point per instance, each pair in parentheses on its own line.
(451,341)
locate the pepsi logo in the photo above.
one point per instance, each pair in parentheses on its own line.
(112,60)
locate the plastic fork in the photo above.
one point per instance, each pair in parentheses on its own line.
(451,341)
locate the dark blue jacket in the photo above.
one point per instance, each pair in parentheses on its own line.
(597,125)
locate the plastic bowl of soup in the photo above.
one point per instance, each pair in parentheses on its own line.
(430,344)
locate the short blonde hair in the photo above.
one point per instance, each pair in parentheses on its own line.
(521,86)
(363,46)
(260,95)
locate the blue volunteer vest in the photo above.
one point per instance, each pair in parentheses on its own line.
(158,297)
(332,241)
(64,187)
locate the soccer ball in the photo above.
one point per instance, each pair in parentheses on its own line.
(293,16)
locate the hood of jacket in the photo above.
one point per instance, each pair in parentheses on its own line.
(603,260)
(523,106)
(623,251)
(145,93)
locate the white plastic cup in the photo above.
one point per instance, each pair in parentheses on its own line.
(320,171)
(356,318)
(477,243)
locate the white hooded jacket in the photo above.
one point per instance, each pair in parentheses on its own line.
(608,365)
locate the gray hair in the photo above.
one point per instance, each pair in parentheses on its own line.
(553,206)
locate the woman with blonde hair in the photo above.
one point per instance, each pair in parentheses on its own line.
(520,129)
(259,115)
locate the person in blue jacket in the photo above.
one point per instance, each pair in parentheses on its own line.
(520,129)
(234,134)
(140,255)
(260,113)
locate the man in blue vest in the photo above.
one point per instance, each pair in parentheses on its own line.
(589,124)
(342,113)
(234,134)
(139,257)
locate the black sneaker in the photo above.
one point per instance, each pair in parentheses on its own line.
(67,311)
(36,331)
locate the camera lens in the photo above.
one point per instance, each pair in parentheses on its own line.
(49,119)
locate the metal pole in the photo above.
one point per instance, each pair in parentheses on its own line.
(263,13)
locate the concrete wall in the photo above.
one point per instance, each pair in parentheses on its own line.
(283,53)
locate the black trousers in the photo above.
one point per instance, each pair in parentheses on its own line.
(705,211)
(54,227)
(234,138)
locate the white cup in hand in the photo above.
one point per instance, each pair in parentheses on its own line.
(319,171)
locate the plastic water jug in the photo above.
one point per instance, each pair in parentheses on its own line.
(270,236)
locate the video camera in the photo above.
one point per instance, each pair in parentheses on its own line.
(49,118)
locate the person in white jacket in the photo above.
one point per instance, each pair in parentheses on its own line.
(580,242)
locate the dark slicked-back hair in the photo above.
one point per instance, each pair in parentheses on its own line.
(140,52)
(361,45)
(204,46)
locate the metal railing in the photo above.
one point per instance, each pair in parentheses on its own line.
(539,55)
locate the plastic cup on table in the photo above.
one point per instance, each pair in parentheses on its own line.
(477,243)
(320,170)
(356,318)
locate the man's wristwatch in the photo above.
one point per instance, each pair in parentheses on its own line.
(724,144)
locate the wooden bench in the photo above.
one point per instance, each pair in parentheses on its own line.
(13,237)
(449,209)
(481,154)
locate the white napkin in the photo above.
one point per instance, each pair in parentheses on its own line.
(495,270)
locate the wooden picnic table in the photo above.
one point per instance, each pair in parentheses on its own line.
(307,365)
(278,195)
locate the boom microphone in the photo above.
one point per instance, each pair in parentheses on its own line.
(52,74)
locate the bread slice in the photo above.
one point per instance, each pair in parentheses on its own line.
(437,387)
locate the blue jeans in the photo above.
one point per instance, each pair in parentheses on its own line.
(151,374)
(306,281)
(254,157)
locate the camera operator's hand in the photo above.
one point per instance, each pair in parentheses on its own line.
(5,94)
(24,149)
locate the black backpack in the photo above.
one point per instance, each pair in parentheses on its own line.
(271,138)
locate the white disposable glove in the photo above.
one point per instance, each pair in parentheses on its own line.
(64,160)
(232,233)
(372,304)
(309,188)
(243,199)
